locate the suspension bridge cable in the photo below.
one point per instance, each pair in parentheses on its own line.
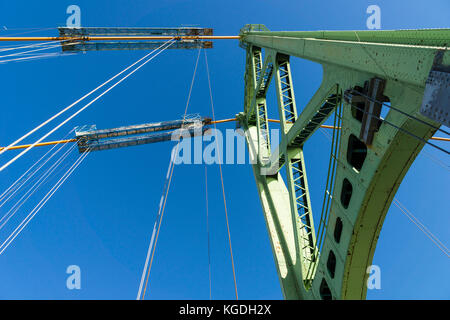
(7,191)
(39,54)
(422,228)
(13,210)
(170,42)
(436,160)
(27,55)
(221,175)
(31,30)
(37,57)
(49,143)
(323,126)
(39,206)
(12,48)
(155,225)
(14,190)
(329,190)
(422,225)
(170,176)
(5,28)
(79,100)
(34,50)
(30,176)
(207,230)
(158,222)
(326,134)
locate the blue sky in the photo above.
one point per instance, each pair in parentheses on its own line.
(102,218)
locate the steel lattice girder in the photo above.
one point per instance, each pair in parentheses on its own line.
(349,58)
(82,45)
(91,139)
(95,31)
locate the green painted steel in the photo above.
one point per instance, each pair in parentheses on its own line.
(372,173)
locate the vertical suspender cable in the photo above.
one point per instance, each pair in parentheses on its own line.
(170,177)
(158,218)
(221,177)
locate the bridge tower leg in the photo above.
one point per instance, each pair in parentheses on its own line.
(362,70)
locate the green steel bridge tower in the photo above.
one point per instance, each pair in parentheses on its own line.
(406,71)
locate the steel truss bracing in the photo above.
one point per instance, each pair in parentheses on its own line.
(91,139)
(261,78)
(369,158)
(81,35)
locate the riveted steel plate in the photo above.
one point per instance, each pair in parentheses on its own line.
(436,98)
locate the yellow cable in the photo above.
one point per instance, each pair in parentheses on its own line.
(39,144)
(221,179)
(212,122)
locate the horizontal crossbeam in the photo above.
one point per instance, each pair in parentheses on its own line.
(91,139)
(175,135)
(119,34)
(183,31)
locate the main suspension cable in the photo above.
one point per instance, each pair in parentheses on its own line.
(38,207)
(23,56)
(33,173)
(12,211)
(34,50)
(10,189)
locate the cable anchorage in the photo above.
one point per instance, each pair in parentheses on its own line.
(357,97)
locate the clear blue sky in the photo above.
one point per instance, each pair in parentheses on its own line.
(101,219)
